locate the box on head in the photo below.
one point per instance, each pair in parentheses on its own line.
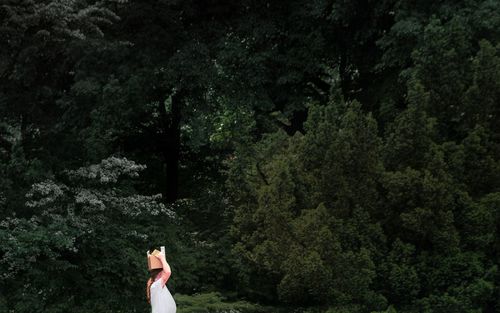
(153,261)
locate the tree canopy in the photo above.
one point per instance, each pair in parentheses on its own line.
(322,156)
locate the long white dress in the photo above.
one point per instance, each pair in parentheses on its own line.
(161,299)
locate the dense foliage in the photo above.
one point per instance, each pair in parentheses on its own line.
(293,156)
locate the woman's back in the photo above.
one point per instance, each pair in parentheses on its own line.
(161,299)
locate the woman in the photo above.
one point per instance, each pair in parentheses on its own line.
(157,292)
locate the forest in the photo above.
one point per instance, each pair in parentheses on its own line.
(323,156)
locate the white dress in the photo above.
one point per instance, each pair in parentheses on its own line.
(161,299)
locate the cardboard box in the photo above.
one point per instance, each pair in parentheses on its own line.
(153,261)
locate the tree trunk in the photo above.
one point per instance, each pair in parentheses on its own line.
(171,141)
(344,73)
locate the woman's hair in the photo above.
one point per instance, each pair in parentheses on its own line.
(153,273)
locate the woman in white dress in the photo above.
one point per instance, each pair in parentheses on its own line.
(157,292)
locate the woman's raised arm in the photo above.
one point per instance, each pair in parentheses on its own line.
(165,274)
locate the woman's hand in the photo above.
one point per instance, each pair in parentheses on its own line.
(160,256)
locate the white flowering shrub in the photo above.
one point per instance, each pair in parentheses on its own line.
(44,193)
(108,171)
(89,228)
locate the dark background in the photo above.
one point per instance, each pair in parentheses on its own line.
(306,156)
